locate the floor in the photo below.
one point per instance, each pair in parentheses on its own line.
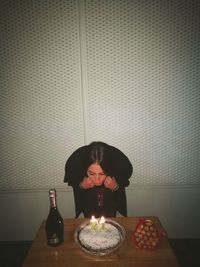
(13,253)
(187,251)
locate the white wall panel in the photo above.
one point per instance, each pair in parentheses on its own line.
(141,93)
(143,85)
(41,97)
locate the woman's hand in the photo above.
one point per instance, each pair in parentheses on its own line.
(87,183)
(111,183)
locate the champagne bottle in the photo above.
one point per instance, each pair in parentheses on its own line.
(54,222)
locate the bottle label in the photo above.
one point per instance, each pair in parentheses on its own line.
(54,240)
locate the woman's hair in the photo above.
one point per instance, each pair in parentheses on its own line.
(99,153)
(112,161)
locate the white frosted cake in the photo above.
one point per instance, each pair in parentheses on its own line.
(100,242)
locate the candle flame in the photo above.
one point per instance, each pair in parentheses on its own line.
(102,220)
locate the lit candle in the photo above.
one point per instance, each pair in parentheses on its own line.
(93,222)
(102,223)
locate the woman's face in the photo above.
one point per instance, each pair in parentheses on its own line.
(96,173)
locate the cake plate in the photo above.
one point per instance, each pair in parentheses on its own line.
(99,249)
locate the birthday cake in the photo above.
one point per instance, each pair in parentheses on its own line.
(100,241)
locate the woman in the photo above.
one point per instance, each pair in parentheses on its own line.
(98,174)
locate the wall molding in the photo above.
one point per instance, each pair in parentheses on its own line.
(130,188)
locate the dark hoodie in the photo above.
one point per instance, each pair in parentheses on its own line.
(99,201)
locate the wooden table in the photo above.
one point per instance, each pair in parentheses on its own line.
(69,253)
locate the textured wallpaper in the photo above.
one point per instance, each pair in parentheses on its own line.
(124,72)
